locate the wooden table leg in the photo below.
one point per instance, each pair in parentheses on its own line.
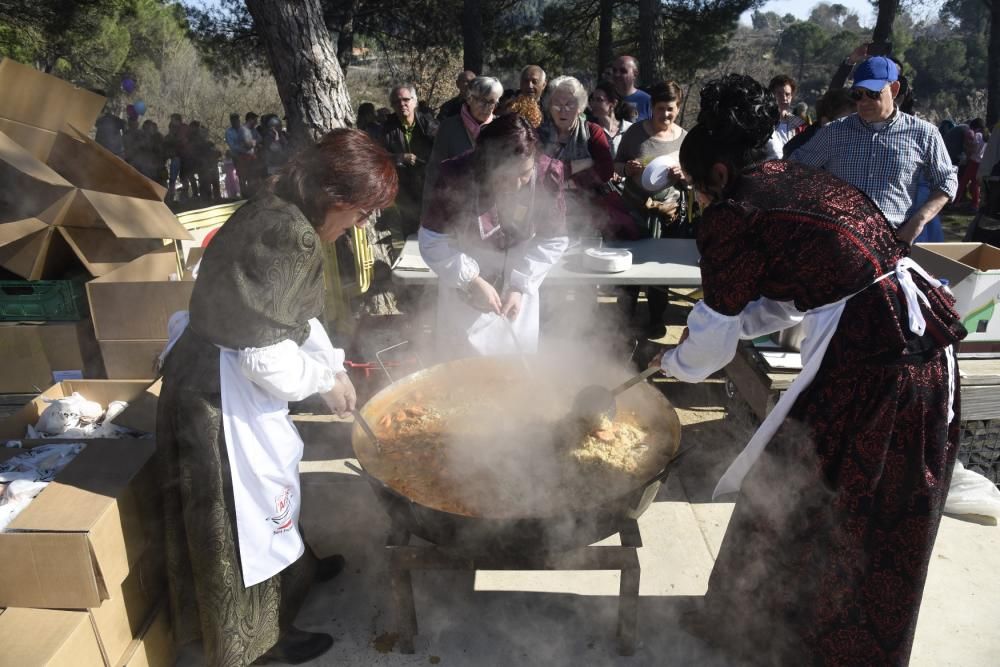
(406,612)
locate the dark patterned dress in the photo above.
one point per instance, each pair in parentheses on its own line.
(260,282)
(824,560)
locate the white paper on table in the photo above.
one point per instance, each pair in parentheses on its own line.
(783,360)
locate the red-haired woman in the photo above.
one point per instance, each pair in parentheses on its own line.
(237,566)
(492,229)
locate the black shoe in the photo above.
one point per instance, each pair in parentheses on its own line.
(328,568)
(295,647)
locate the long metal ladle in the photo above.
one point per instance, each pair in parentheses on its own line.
(596,400)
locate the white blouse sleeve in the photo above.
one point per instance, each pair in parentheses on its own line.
(453,267)
(285,371)
(538,259)
(319,348)
(710,345)
(764,316)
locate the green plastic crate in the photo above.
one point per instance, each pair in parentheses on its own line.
(42,300)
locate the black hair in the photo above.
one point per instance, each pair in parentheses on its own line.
(622,110)
(834,103)
(665,91)
(737,117)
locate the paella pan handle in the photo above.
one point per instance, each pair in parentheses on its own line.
(378,357)
(673,462)
(367,429)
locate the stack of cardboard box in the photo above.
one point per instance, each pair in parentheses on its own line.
(83,576)
(67,207)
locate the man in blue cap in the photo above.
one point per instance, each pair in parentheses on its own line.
(884,152)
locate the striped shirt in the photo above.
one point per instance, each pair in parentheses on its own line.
(886,161)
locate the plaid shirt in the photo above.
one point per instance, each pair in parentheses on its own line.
(887,165)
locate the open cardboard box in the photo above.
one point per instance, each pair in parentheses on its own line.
(61,193)
(48,638)
(973,273)
(131,307)
(79,538)
(139,416)
(36,354)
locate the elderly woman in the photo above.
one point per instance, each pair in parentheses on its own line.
(824,559)
(238,569)
(611,112)
(494,227)
(585,153)
(457,134)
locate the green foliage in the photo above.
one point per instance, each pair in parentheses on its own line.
(91,42)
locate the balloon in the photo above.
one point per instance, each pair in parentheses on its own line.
(140,107)
(128,84)
(131,112)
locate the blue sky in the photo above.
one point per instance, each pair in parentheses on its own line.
(862,8)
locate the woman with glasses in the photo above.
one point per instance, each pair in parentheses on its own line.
(227,453)
(457,134)
(614,115)
(842,487)
(493,228)
(585,153)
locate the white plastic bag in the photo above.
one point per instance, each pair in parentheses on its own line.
(971,493)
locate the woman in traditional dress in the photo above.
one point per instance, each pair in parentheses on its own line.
(824,559)
(493,228)
(228,454)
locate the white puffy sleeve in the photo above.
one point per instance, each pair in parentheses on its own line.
(285,371)
(540,255)
(765,316)
(710,345)
(453,267)
(319,348)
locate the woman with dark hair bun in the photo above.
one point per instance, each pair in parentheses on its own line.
(228,456)
(825,556)
(612,113)
(493,228)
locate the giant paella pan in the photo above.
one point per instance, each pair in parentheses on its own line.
(481,455)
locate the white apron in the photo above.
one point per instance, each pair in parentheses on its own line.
(820,324)
(487,333)
(264,451)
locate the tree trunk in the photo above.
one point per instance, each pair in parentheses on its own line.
(304,63)
(345,36)
(605,39)
(993,67)
(472,35)
(647,40)
(886,17)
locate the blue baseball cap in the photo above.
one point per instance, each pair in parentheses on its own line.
(875,72)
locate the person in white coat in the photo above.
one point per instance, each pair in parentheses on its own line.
(494,227)
(227,452)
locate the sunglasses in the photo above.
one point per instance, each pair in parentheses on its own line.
(857,93)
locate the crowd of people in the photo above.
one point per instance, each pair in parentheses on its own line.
(187,161)
(825,558)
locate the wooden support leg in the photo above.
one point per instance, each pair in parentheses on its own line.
(406,612)
(628,610)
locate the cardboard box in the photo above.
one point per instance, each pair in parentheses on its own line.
(64,194)
(155,647)
(973,271)
(135,302)
(131,359)
(48,638)
(101,391)
(126,614)
(80,537)
(34,353)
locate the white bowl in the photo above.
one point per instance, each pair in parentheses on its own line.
(607,260)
